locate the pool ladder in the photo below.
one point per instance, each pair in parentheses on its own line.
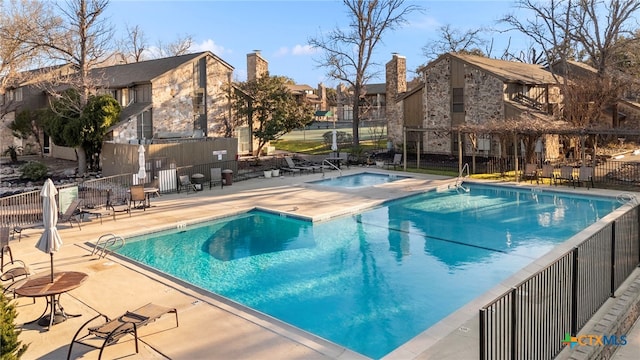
(330,165)
(458,184)
(107,244)
(624,198)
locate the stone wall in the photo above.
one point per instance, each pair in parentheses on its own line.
(437,107)
(218,80)
(257,66)
(396,77)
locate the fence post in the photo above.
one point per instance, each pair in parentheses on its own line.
(574,293)
(483,334)
(613,260)
(514,313)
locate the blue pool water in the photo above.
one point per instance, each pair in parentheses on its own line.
(359,180)
(374,280)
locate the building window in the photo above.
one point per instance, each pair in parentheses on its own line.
(457,105)
(198,102)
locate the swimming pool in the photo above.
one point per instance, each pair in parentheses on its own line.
(372,281)
(359,180)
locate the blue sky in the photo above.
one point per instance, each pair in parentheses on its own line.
(281,29)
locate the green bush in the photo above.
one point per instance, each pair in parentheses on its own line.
(10,347)
(34,171)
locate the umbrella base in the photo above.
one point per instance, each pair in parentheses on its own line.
(58,318)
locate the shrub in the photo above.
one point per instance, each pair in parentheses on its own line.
(34,171)
(10,347)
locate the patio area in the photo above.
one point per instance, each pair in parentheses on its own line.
(210,326)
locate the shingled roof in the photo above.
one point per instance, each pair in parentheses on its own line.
(119,76)
(507,71)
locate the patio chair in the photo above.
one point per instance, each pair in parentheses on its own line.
(137,197)
(397,161)
(566,175)
(117,205)
(547,173)
(216,178)
(530,172)
(71,214)
(111,330)
(14,276)
(4,246)
(585,175)
(185,182)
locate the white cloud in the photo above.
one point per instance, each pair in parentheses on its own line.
(282,51)
(424,23)
(209,45)
(303,50)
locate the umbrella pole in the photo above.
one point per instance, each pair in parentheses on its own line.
(51,266)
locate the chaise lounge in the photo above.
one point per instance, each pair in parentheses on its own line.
(111,330)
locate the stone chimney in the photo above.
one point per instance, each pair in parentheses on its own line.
(257,66)
(322,94)
(396,84)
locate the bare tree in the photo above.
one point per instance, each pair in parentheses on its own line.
(178,47)
(454,40)
(16,54)
(134,46)
(82,38)
(347,54)
(595,32)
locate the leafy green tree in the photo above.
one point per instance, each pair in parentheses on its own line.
(10,347)
(271,108)
(85,129)
(29,124)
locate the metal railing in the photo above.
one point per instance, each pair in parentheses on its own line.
(530,320)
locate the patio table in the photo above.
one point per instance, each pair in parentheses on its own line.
(42,286)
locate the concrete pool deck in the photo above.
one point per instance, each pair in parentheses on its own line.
(212,327)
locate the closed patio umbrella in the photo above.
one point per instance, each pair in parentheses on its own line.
(142,172)
(50,240)
(334,142)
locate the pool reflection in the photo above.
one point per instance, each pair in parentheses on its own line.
(257,234)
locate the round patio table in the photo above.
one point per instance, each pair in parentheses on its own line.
(42,286)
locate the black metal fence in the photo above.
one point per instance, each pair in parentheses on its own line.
(530,320)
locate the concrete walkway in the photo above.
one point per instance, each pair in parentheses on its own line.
(211,327)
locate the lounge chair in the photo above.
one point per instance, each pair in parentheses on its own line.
(291,170)
(216,178)
(185,182)
(292,165)
(137,197)
(585,176)
(530,172)
(111,330)
(71,214)
(547,173)
(566,175)
(116,205)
